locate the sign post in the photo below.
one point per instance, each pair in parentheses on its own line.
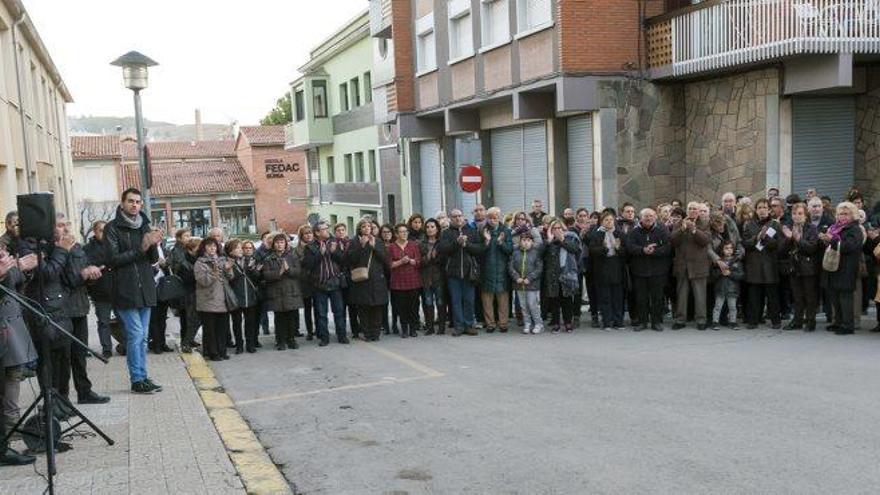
(470,178)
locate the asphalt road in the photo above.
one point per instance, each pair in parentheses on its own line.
(593,412)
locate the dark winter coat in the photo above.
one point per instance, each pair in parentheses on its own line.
(605,269)
(283,292)
(691,251)
(496,256)
(459,258)
(558,280)
(729,286)
(313,260)
(184,268)
(431,268)
(850,245)
(762,266)
(53,271)
(305,279)
(17,348)
(102,289)
(245,280)
(801,258)
(78,304)
(530,270)
(374,290)
(133,285)
(655,264)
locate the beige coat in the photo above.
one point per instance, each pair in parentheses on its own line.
(209,274)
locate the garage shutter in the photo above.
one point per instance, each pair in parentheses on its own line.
(580,162)
(823,141)
(467,152)
(535,164)
(430,175)
(508,188)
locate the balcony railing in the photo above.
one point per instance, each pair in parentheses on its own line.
(718,34)
(380,18)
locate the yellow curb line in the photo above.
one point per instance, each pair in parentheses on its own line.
(258,473)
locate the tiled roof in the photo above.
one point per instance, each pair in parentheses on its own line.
(162,150)
(264,135)
(192,177)
(95,147)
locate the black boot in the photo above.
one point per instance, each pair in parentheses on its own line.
(429,318)
(404,331)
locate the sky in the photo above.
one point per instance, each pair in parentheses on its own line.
(231,59)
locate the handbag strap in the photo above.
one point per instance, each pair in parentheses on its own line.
(369,261)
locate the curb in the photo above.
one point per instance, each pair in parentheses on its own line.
(256,469)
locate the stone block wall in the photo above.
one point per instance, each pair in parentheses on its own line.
(867,153)
(726,128)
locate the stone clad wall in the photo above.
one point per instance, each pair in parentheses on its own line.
(726,134)
(867,153)
(692,141)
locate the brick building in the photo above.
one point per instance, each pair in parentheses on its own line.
(278,177)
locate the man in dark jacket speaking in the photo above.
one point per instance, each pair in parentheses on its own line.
(132,250)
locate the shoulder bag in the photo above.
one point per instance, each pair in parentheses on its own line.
(362,273)
(831,260)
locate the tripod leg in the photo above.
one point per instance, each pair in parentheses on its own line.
(22,419)
(76,412)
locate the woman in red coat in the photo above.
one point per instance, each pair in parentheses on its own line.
(406,281)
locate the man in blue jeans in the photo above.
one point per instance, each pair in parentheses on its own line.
(461,246)
(132,250)
(323,260)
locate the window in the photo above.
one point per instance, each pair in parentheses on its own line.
(299,110)
(371,159)
(350,222)
(426,51)
(359,166)
(349,173)
(461,39)
(496,22)
(383,48)
(237,220)
(333,220)
(331,170)
(343,97)
(368,88)
(533,14)
(319,98)
(355,87)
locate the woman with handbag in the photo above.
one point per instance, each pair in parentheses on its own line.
(841,264)
(282,270)
(366,256)
(406,282)
(800,262)
(244,284)
(212,273)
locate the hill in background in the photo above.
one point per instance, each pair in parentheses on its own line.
(155,130)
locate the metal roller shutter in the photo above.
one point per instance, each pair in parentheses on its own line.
(508,188)
(823,141)
(467,152)
(431,177)
(535,164)
(580,162)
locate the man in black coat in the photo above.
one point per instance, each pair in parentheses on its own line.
(133,249)
(460,245)
(650,256)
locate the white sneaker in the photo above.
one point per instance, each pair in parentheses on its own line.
(526,330)
(538,329)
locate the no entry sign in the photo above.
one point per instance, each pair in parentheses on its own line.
(470,178)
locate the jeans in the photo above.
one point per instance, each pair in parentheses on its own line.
(136,323)
(720,299)
(462,294)
(531,308)
(332,298)
(102,313)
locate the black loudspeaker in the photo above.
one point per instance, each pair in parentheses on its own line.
(36,216)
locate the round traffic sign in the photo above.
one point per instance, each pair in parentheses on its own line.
(470,178)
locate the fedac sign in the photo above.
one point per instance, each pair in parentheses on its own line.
(275,168)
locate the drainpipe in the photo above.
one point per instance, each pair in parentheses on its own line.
(24,129)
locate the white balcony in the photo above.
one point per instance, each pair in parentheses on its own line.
(720,34)
(380,18)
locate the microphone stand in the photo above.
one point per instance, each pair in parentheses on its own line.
(47,393)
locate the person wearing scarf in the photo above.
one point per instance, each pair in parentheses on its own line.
(761,237)
(606,255)
(324,260)
(845,236)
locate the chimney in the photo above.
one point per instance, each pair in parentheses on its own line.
(200,132)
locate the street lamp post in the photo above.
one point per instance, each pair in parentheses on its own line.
(134,74)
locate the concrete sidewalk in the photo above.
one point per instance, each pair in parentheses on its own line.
(165,443)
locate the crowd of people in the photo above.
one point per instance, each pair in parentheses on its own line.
(742,262)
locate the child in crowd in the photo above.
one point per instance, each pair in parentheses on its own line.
(525,271)
(727,285)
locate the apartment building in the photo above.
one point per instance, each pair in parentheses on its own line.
(770,93)
(333,124)
(34,149)
(533,91)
